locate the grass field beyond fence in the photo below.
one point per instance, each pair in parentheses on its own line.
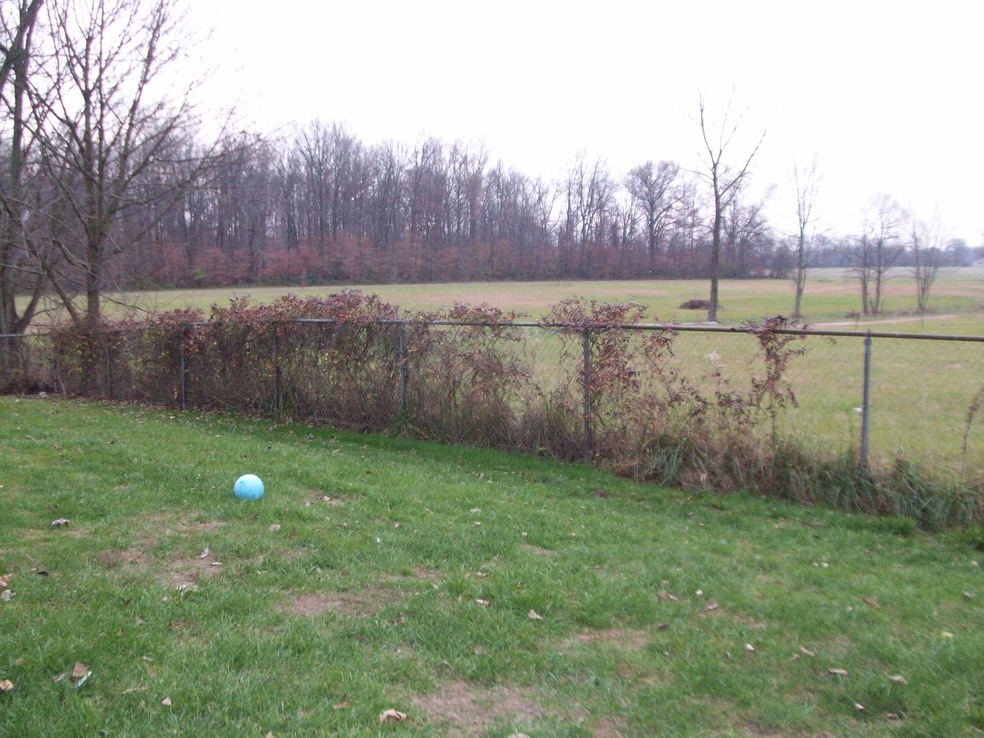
(474,592)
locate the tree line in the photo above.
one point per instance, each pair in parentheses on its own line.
(107,181)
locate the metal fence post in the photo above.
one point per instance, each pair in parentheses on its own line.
(277,384)
(865,405)
(183,378)
(109,367)
(402,363)
(586,406)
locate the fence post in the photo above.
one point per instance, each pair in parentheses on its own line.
(277,385)
(586,401)
(109,366)
(183,378)
(865,405)
(402,363)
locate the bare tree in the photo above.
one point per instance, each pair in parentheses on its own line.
(926,242)
(807,184)
(112,122)
(651,188)
(878,248)
(725,182)
(17,27)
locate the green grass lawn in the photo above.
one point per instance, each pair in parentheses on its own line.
(478,593)
(830,295)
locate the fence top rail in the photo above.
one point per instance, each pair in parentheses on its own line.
(580,327)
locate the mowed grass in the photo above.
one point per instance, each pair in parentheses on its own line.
(831,294)
(478,593)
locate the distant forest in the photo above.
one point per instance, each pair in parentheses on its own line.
(323,207)
(107,182)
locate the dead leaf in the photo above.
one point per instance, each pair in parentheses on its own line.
(7,595)
(482,603)
(711,606)
(749,648)
(837,672)
(204,554)
(858,707)
(893,717)
(166,702)
(275,527)
(131,690)
(5,581)
(667,597)
(532,615)
(392,715)
(269,734)
(898,679)
(80,672)
(807,652)
(343,705)
(699,593)
(60,523)
(871,602)
(6,685)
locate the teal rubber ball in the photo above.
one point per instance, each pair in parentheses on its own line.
(248,487)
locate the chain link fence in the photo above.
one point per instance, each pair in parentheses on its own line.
(559,390)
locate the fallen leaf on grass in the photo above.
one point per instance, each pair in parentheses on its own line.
(482,603)
(343,705)
(6,685)
(667,597)
(711,606)
(871,602)
(749,648)
(131,690)
(533,615)
(837,672)
(806,652)
(204,554)
(7,595)
(387,716)
(269,734)
(80,672)
(5,581)
(898,679)
(166,702)
(60,523)
(859,707)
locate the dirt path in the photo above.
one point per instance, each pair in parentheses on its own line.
(890,321)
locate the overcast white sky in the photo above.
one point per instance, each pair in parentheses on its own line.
(887,94)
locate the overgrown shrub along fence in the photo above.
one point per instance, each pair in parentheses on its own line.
(769,406)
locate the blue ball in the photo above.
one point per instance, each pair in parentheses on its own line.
(248,487)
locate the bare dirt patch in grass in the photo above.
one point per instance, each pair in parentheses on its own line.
(747,620)
(467,710)
(530,548)
(186,572)
(317,496)
(624,638)
(360,604)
